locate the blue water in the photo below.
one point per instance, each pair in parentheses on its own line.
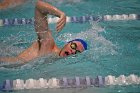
(113,47)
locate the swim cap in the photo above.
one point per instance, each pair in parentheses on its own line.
(82,42)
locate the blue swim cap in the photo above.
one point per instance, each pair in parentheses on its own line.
(82,42)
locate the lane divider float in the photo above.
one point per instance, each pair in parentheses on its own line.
(76,82)
(73,19)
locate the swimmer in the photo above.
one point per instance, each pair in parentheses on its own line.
(45,44)
(4,4)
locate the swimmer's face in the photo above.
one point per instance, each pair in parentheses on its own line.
(73,47)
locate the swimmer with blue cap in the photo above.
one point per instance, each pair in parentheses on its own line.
(45,43)
(73,47)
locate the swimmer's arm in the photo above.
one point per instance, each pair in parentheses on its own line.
(46,8)
(8,59)
(11,60)
(24,57)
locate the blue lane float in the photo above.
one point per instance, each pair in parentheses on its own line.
(73,19)
(15,21)
(7,85)
(76,82)
(84,19)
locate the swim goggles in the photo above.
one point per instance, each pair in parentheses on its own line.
(74,47)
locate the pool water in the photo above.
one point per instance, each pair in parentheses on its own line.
(113,47)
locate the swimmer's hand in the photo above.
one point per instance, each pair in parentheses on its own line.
(61,22)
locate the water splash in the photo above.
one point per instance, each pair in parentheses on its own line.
(98,45)
(92,35)
(14,44)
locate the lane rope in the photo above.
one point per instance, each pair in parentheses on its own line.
(73,19)
(76,82)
